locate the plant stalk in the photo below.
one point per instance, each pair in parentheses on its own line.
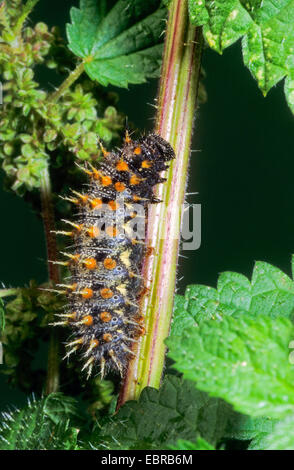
(26,10)
(9,292)
(176,108)
(72,77)
(52,382)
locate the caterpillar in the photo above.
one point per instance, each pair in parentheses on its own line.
(107,252)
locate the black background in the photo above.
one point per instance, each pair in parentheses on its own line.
(243,172)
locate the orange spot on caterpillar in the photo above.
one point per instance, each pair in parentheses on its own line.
(106,293)
(96,203)
(122,166)
(93,232)
(90,263)
(107,337)
(137,151)
(94,343)
(113,205)
(136,198)
(105,316)
(134,179)
(109,263)
(119,186)
(88,320)
(146,164)
(106,180)
(87,293)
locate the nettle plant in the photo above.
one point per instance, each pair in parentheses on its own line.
(229,379)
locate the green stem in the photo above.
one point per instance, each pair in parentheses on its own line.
(73,76)
(9,292)
(26,10)
(52,383)
(176,109)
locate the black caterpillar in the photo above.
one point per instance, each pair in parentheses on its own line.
(105,264)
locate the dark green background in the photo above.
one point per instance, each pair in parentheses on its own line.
(243,173)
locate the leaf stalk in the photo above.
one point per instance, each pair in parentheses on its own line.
(72,77)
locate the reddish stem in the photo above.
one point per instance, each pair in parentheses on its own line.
(52,383)
(176,108)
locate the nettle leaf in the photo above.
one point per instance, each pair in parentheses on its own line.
(243,360)
(270,292)
(281,437)
(42,425)
(57,405)
(161,417)
(200,444)
(120,45)
(268,36)
(182,316)
(243,427)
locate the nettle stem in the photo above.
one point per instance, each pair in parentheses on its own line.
(176,109)
(9,292)
(72,77)
(52,382)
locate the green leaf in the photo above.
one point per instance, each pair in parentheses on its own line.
(270,292)
(161,417)
(243,427)
(123,70)
(268,36)
(182,317)
(201,444)
(224,21)
(121,45)
(57,405)
(42,425)
(243,360)
(281,437)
